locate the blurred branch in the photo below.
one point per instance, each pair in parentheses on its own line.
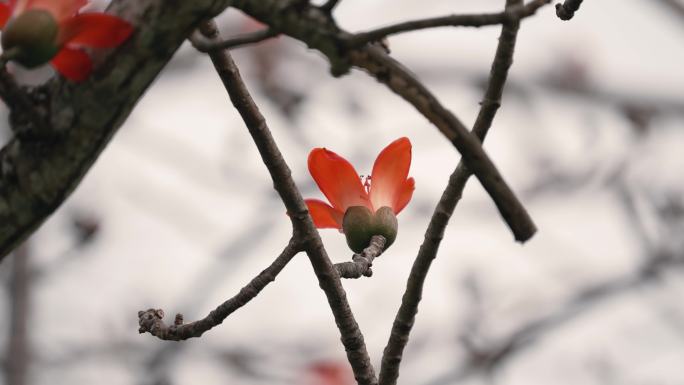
(151,320)
(675,5)
(405,318)
(362,262)
(490,358)
(17,354)
(473,20)
(205,46)
(567,10)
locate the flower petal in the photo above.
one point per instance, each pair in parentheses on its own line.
(73,64)
(389,173)
(97,30)
(323,215)
(6,10)
(337,179)
(404,195)
(60,9)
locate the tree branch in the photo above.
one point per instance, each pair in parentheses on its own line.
(39,172)
(304,229)
(203,45)
(405,318)
(151,320)
(362,262)
(473,20)
(567,10)
(405,84)
(310,25)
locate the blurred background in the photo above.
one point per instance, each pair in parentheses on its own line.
(179,213)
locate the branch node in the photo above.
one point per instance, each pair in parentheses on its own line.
(362,262)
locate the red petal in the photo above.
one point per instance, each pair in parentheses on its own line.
(5,13)
(324,216)
(61,9)
(389,173)
(73,64)
(97,30)
(404,195)
(337,179)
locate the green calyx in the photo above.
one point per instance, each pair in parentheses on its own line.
(31,38)
(360,225)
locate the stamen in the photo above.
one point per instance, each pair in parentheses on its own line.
(366,182)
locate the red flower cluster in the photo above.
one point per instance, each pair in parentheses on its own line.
(39,31)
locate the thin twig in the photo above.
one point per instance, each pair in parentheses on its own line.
(472,20)
(567,10)
(362,262)
(405,318)
(151,320)
(328,279)
(204,45)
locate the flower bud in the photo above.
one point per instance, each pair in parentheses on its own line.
(31,38)
(360,225)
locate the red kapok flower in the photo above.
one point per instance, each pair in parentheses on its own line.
(362,210)
(39,31)
(329,373)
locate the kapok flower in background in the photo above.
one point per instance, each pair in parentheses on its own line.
(361,210)
(35,32)
(329,373)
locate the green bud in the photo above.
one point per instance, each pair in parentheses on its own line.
(360,225)
(31,38)
(386,225)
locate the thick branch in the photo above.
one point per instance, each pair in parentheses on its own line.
(329,281)
(23,110)
(39,172)
(405,318)
(472,20)
(234,42)
(567,10)
(362,262)
(151,320)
